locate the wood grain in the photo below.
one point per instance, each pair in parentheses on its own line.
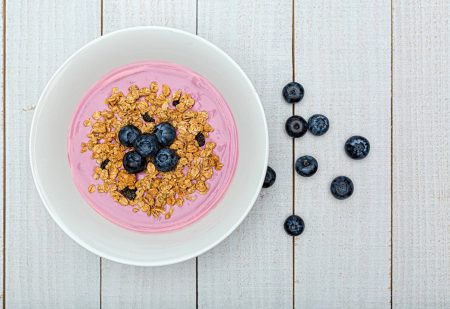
(138,287)
(253,267)
(342,260)
(421,215)
(44,268)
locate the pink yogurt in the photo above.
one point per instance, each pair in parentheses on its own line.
(207,98)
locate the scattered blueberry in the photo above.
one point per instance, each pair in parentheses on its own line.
(104,164)
(296,126)
(306,166)
(200,138)
(128,134)
(148,118)
(269,180)
(294,225)
(318,124)
(165,133)
(146,145)
(357,147)
(293,92)
(130,194)
(341,187)
(134,162)
(166,160)
(175,102)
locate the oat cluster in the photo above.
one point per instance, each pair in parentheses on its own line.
(153,192)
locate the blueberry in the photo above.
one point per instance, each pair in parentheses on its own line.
(165,133)
(293,92)
(294,225)
(306,166)
(146,145)
(296,126)
(104,164)
(200,138)
(318,124)
(176,102)
(148,118)
(128,134)
(341,187)
(166,160)
(130,194)
(134,162)
(269,180)
(357,147)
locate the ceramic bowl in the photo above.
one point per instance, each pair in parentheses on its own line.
(48,146)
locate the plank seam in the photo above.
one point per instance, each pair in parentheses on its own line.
(101,17)
(392,153)
(4,153)
(293,156)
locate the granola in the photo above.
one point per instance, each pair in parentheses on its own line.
(154,192)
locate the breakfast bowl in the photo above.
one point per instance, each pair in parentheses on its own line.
(55,158)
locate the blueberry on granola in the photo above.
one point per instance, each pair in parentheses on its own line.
(165,133)
(128,134)
(130,194)
(296,126)
(166,160)
(133,162)
(200,138)
(104,164)
(146,145)
(148,118)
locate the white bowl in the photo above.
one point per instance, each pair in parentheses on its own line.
(48,145)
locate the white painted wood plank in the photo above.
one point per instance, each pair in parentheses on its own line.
(138,287)
(126,286)
(421,214)
(253,267)
(118,14)
(342,260)
(44,268)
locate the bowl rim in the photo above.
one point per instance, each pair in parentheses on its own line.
(46,201)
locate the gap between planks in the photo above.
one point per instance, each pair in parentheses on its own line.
(4,152)
(293,155)
(392,155)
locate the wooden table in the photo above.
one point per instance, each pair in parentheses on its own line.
(376,68)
